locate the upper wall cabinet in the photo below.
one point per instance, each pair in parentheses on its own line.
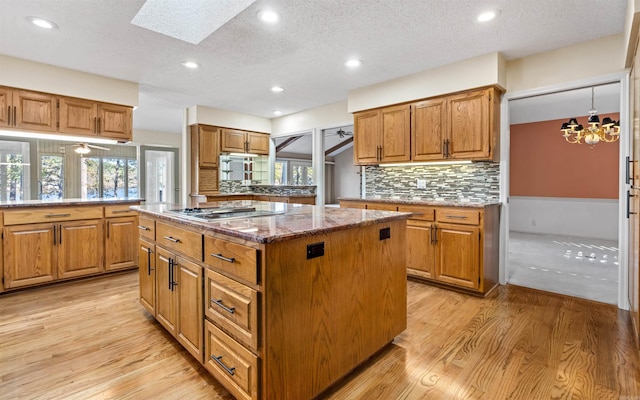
(461,126)
(237,141)
(382,135)
(43,112)
(89,118)
(22,109)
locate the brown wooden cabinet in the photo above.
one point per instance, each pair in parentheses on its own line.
(90,118)
(455,246)
(80,248)
(44,112)
(208,146)
(23,109)
(382,135)
(205,151)
(38,265)
(120,244)
(189,321)
(45,244)
(462,126)
(166,295)
(147,275)
(237,141)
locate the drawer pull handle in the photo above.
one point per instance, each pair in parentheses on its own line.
(172,239)
(56,215)
(119,211)
(231,310)
(223,258)
(230,371)
(143,228)
(457,216)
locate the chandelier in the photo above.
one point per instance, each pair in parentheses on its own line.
(608,132)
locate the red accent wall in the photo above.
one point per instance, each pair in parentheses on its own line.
(543,164)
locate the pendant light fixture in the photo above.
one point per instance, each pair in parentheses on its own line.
(608,131)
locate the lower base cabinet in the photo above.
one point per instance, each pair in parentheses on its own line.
(147,275)
(80,248)
(120,249)
(38,265)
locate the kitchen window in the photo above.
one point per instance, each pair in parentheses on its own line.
(51,177)
(108,177)
(14,170)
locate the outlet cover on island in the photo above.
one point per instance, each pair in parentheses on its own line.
(422,183)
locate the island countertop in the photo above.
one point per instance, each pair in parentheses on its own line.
(68,202)
(294,220)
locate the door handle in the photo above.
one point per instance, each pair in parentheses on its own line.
(108,228)
(9,115)
(54,235)
(629,196)
(435,235)
(60,229)
(15,123)
(149,269)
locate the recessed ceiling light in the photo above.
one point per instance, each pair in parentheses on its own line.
(191,64)
(277,89)
(353,63)
(277,112)
(488,15)
(268,16)
(42,23)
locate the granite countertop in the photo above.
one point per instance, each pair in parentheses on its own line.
(296,220)
(424,201)
(67,202)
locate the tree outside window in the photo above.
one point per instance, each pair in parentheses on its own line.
(51,177)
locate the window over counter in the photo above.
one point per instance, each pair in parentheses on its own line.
(14,170)
(241,168)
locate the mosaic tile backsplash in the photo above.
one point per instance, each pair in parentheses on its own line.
(476,182)
(236,186)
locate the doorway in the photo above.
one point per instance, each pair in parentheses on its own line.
(342,178)
(564,234)
(160,175)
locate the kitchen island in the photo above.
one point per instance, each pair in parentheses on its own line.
(278,306)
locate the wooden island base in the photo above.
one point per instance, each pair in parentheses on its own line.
(278,319)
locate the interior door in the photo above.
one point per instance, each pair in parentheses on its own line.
(160,174)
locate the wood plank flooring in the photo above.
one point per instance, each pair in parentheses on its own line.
(92,340)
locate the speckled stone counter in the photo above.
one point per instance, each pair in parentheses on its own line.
(295,220)
(67,202)
(422,201)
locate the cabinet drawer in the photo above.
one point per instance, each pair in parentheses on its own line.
(37,215)
(180,240)
(147,228)
(230,363)
(420,212)
(458,216)
(235,259)
(382,206)
(233,306)
(121,210)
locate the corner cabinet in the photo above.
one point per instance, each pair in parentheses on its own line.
(462,126)
(453,246)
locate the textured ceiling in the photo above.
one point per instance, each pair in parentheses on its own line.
(304,53)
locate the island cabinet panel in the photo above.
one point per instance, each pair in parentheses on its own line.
(80,248)
(147,228)
(232,258)
(231,364)
(120,245)
(316,330)
(166,298)
(147,275)
(233,306)
(39,264)
(189,312)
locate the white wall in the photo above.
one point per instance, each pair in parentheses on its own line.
(227,119)
(584,60)
(593,218)
(474,72)
(346,175)
(24,74)
(154,138)
(328,116)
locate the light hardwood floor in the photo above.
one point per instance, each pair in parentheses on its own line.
(92,340)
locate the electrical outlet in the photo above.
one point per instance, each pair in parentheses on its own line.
(422,183)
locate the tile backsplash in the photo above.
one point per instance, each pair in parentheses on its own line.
(478,181)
